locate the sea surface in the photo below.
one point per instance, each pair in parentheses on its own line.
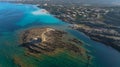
(17,17)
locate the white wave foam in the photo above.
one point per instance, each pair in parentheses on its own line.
(40,12)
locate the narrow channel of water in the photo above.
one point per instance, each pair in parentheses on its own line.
(105,56)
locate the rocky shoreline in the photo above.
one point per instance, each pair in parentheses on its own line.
(107,39)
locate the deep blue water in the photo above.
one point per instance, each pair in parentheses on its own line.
(105,56)
(15,17)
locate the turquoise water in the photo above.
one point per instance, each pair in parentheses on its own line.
(15,17)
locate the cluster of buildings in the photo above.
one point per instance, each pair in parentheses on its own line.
(73,13)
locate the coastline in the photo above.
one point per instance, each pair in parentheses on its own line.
(97,29)
(98,38)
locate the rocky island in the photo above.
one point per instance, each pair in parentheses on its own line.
(52,42)
(48,40)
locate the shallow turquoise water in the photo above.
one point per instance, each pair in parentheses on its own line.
(15,17)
